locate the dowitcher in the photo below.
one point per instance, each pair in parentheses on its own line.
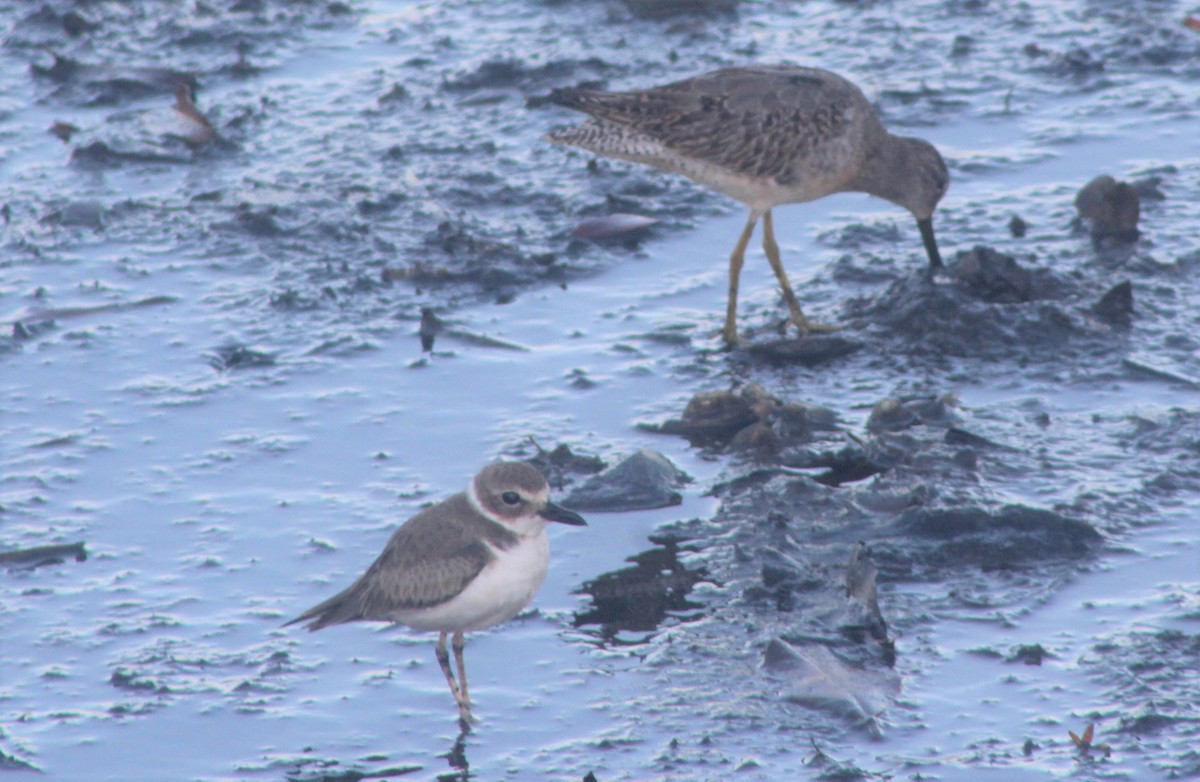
(765,136)
(465,564)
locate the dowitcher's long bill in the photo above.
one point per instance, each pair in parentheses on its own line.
(766,136)
(465,564)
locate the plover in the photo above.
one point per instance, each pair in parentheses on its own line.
(467,563)
(765,136)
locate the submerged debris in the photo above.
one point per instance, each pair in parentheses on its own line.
(433,327)
(815,677)
(607,227)
(24,320)
(38,556)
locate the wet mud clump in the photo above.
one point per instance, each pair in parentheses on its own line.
(748,421)
(1012,537)
(922,504)
(992,307)
(1109,210)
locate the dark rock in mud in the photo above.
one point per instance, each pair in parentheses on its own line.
(644,481)
(1116,305)
(639,598)
(1109,209)
(808,351)
(1015,535)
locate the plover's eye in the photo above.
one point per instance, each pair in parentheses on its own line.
(511,498)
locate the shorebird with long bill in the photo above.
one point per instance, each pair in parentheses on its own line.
(765,136)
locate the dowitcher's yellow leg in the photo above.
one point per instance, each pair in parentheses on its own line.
(735,272)
(771,248)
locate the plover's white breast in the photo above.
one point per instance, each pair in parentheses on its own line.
(505,586)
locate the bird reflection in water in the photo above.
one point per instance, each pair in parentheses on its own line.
(638,599)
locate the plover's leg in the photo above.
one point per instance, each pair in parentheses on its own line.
(459,643)
(443,658)
(771,248)
(735,272)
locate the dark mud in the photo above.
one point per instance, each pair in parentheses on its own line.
(1014,442)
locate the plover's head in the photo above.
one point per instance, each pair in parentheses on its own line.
(516,495)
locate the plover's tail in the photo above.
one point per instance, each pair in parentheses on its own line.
(345,606)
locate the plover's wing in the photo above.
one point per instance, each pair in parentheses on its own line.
(750,121)
(429,560)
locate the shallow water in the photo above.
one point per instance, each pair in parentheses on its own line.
(216,504)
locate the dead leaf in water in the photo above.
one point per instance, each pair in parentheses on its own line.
(610,226)
(1084,743)
(1192,21)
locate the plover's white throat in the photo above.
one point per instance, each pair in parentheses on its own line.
(467,563)
(765,136)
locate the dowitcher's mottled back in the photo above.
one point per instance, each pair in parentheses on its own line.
(766,136)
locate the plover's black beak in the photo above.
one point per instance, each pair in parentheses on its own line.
(560,514)
(935,258)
